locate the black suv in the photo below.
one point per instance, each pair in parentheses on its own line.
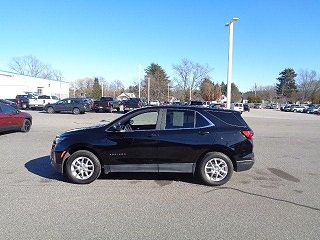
(210,143)
(22,101)
(74,105)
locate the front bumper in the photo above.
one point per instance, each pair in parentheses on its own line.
(245,163)
(58,166)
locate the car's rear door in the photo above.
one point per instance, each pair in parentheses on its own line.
(185,136)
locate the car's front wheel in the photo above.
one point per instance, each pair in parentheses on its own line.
(215,169)
(26,126)
(83,167)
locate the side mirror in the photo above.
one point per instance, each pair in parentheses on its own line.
(118,128)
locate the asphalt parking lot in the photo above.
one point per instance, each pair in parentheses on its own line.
(277,199)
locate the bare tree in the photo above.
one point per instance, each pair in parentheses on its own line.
(308,84)
(33,67)
(189,75)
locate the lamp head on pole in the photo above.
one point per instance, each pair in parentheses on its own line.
(234,19)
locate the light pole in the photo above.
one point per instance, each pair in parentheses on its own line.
(230,25)
(169,92)
(148,90)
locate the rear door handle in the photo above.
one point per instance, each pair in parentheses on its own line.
(151,135)
(203,132)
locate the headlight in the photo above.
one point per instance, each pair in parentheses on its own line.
(58,139)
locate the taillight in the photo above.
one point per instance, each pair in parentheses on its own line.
(247,134)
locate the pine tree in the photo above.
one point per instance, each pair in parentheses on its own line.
(159,81)
(96,89)
(287,84)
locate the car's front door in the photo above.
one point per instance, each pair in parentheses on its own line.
(185,136)
(60,105)
(9,118)
(134,148)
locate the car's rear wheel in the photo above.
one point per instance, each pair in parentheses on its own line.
(26,126)
(50,110)
(76,111)
(110,109)
(83,167)
(215,169)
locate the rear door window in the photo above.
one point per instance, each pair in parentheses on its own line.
(176,119)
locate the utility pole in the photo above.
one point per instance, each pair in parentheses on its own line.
(255,89)
(229,81)
(139,76)
(190,98)
(168,92)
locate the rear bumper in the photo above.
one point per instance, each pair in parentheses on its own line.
(245,163)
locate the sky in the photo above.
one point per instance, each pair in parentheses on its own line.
(110,38)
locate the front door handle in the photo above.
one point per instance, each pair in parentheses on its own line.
(203,132)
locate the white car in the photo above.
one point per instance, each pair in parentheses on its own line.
(41,101)
(237,107)
(155,103)
(299,108)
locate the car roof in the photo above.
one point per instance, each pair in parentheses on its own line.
(188,107)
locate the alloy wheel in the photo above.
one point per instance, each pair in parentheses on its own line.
(82,168)
(216,169)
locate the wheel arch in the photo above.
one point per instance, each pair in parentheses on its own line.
(217,148)
(74,148)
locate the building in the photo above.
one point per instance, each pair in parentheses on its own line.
(125,96)
(12,84)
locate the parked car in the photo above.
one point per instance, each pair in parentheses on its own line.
(292,107)
(206,103)
(42,100)
(246,107)
(237,107)
(299,108)
(210,143)
(133,103)
(154,103)
(11,119)
(8,102)
(74,105)
(22,101)
(106,104)
(312,109)
(257,106)
(196,103)
(287,108)
(216,105)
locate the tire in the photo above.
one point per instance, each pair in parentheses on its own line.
(217,162)
(118,109)
(50,110)
(82,167)
(76,111)
(110,110)
(96,111)
(26,126)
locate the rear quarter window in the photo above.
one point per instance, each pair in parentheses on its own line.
(227,118)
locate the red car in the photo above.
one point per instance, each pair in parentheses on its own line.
(12,119)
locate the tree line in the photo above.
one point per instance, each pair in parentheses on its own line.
(290,88)
(191,80)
